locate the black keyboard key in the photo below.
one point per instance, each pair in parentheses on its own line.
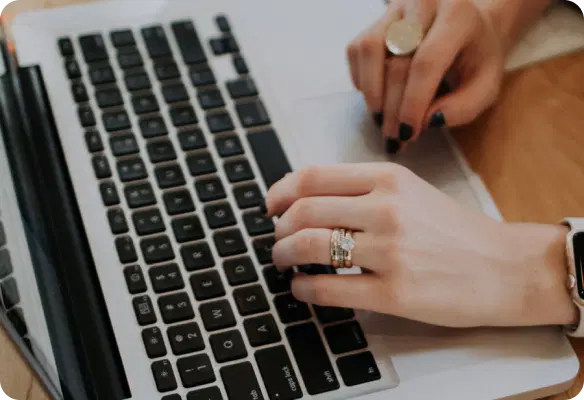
(132,169)
(86,116)
(240,271)
(183,115)
(109,194)
(124,145)
(188,42)
(164,376)
(156,42)
(219,215)
(166,70)
(210,98)
(169,176)
(316,269)
(93,48)
(172,397)
(174,93)
(263,249)
(102,75)
(122,38)
(185,338)
(209,393)
(109,98)
(16,317)
(238,171)
(148,222)
(345,337)
(222,23)
(138,81)
(2,235)
(101,167)
(117,221)
(228,346)
(178,202)
(201,163)
(72,68)
(66,47)
(359,368)
(252,114)
(201,75)
(157,250)
(166,278)
(262,330)
(5,263)
(229,243)
(10,295)
(197,256)
(240,382)
(257,223)
(240,65)
(135,279)
(278,373)
(219,122)
(291,310)
(251,300)
(175,308)
(145,103)
(269,155)
(144,311)
(210,189)
(228,146)
(130,59)
(217,315)
(327,315)
(243,87)
(195,370)
(312,359)
(139,195)
(93,141)
(248,195)
(115,121)
(192,139)
(152,127)
(278,282)
(126,250)
(161,151)
(187,229)
(224,45)
(207,285)
(153,342)
(79,92)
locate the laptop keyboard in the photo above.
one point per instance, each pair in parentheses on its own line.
(216,317)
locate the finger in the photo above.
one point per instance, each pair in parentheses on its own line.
(350,291)
(328,180)
(325,212)
(312,246)
(353,58)
(397,75)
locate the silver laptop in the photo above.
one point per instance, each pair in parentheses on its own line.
(138,141)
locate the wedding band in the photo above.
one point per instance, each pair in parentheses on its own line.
(337,259)
(347,243)
(403,37)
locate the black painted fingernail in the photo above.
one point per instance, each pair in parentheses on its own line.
(405,132)
(378,118)
(438,120)
(392,145)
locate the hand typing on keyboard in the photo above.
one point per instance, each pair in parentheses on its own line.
(425,257)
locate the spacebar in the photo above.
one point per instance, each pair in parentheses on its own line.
(269,155)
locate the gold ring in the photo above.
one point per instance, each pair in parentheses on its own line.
(337,258)
(403,37)
(347,243)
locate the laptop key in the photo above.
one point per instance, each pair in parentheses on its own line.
(244,87)
(148,222)
(73,70)
(156,42)
(115,121)
(164,376)
(66,46)
(207,285)
(166,278)
(240,65)
(359,368)
(169,176)
(157,249)
(269,156)
(178,202)
(5,263)
(224,45)
(2,235)
(172,397)
(251,300)
(278,373)
(145,103)
(278,282)
(209,393)
(229,243)
(219,215)
(93,48)
(161,151)
(192,139)
(126,250)
(130,59)
(117,221)
(228,146)
(144,310)
(210,189)
(10,295)
(240,271)
(217,315)
(16,317)
(197,256)
(152,127)
(219,122)
(188,42)
(185,338)
(102,75)
(175,308)
(93,141)
(201,75)
(187,229)
(262,330)
(139,195)
(312,358)
(166,70)
(183,115)
(122,38)
(109,97)
(345,337)
(195,370)
(222,23)
(132,169)
(124,145)
(238,171)
(210,98)
(101,167)
(135,279)
(138,81)
(153,342)
(327,315)
(252,114)
(86,116)
(201,163)
(174,93)
(257,223)
(228,346)
(291,310)
(109,194)
(263,249)
(240,382)
(248,196)
(79,92)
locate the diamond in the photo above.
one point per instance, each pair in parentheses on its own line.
(347,243)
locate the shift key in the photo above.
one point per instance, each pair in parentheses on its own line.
(312,358)
(278,373)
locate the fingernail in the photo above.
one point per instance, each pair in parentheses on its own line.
(378,118)
(392,145)
(303,290)
(405,132)
(438,120)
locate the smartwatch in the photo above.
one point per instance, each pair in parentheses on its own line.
(575,258)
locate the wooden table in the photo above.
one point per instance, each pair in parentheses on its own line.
(528,150)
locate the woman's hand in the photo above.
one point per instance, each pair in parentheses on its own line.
(459,38)
(426,257)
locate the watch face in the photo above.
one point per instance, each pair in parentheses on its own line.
(578,243)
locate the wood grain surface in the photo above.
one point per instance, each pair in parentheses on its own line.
(527,148)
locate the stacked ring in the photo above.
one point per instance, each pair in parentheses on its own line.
(342,245)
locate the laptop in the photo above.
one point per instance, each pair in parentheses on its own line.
(138,141)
